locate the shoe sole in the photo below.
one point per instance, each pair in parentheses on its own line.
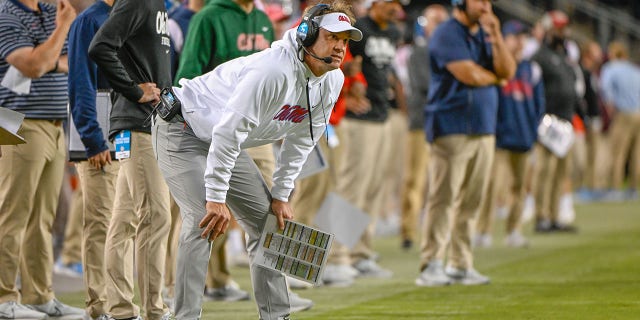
(300,309)
(421,283)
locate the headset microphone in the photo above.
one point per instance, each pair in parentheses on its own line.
(326,60)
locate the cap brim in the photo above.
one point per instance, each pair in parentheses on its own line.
(354,33)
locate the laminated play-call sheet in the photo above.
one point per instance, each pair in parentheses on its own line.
(299,251)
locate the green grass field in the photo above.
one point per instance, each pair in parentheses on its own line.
(594,274)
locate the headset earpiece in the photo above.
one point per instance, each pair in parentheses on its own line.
(308,30)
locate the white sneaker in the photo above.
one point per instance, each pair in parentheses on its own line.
(58,310)
(467,277)
(369,268)
(298,284)
(517,240)
(482,240)
(168,316)
(14,310)
(433,276)
(297,303)
(338,275)
(229,293)
(134,318)
(100,317)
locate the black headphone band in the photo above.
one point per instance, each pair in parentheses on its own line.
(306,37)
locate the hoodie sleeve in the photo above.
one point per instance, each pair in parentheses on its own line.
(83,80)
(125,19)
(258,90)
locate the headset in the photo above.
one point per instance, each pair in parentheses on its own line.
(461,4)
(308,30)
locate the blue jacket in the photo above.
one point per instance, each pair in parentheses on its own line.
(453,107)
(85,79)
(520,108)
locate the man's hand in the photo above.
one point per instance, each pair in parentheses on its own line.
(282,210)
(65,14)
(101,159)
(216,221)
(353,67)
(151,93)
(63,64)
(491,25)
(356,99)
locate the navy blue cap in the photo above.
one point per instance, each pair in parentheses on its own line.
(514,27)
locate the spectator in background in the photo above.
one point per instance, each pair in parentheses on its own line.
(468,58)
(178,25)
(520,108)
(417,147)
(559,78)
(278,18)
(596,175)
(98,174)
(621,92)
(367,132)
(33,45)
(132,50)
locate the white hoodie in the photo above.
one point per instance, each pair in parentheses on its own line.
(256,100)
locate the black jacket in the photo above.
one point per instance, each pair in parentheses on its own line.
(133,47)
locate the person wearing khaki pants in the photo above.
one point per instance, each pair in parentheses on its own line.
(131,49)
(467,60)
(33,47)
(621,91)
(520,108)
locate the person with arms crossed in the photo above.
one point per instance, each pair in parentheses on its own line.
(468,59)
(285,92)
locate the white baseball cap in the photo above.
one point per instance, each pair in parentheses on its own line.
(339,22)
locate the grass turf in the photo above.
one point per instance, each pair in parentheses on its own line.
(594,274)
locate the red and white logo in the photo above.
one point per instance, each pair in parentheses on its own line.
(344,18)
(291,113)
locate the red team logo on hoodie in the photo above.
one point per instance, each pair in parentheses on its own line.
(291,113)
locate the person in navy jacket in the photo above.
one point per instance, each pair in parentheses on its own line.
(520,107)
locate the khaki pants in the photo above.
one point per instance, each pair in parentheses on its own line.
(549,181)
(397,129)
(415,180)
(598,161)
(459,171)
(30,181)
(72,246)
(508,166)
(625,138)
(311,192)
(265,160)
(98,191)
(362,175)
(141,211)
